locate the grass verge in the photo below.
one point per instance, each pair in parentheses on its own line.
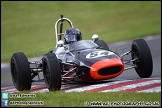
(74,99)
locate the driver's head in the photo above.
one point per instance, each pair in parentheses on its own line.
(72,35)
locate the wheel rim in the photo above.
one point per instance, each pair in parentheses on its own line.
(14,72)
(47,75)
(135,54)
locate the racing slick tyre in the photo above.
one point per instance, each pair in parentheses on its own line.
(51,72)
(20,71)
(102,44)
(141,50)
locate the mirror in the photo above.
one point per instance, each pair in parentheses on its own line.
(95,37)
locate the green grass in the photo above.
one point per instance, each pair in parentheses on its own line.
(73,99)
(29,26)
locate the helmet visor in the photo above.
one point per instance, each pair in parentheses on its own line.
(72,38)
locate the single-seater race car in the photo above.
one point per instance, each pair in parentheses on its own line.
(81,60)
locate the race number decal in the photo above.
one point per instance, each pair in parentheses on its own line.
(97,54)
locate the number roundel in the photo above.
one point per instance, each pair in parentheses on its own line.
(97,54)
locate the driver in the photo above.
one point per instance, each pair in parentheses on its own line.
(72,35)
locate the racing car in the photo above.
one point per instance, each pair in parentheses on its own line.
(81,60)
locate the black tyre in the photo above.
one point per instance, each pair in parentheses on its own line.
(102,44)
(144,64)
(20,71)
(51,72)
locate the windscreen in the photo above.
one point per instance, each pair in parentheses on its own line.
(81,45)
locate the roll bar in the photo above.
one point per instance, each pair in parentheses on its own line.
(61,20)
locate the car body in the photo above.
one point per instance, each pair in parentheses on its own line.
(93,62)
(84,60)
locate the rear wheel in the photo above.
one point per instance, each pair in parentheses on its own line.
(20,71)
(141,50)
(51,72)
(102,44)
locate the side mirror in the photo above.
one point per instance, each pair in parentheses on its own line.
(95,37)
(60,43)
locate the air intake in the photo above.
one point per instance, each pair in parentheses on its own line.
(110,70)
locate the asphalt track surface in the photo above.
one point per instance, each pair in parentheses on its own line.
(130,75)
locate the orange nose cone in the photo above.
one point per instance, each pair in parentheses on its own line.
(106,69)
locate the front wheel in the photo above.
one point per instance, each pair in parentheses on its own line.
(51,72)
(102,44)
(141,51)
(20,71)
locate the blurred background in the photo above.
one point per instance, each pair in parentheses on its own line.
(28,26)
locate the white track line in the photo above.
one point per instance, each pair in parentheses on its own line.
(41,91)
(46,89)
(12,89)
(94,86)
(155,89)
(132,86)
